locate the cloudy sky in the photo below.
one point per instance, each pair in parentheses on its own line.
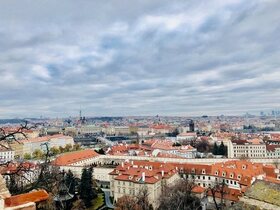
(146,57)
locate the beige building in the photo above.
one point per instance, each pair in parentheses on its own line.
(131,178)
(28,146)
(246,148)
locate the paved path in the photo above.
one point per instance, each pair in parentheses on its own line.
(107,198)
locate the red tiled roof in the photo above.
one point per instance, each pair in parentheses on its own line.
(198,189)
(36,196)
(73,157)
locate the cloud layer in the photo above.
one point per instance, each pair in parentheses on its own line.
(141,57)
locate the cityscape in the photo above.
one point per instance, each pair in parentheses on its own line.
(139,105)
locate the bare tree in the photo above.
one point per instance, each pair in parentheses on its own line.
(218,190)
(179,196)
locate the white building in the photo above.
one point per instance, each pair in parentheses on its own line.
(245,148)
(6,154)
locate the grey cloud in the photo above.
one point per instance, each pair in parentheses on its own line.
(138,58)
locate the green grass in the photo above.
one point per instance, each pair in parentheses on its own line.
(97,202)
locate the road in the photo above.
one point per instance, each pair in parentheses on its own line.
(107,198)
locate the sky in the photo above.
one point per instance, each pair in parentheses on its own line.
(141,57)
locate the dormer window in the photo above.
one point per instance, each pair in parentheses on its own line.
(151,168)
(278,177)
(223,174)
(216,173)
(193,170)
(239,177)
(203,171)
(130,177)
(243,167)
(231,175)
(117,171)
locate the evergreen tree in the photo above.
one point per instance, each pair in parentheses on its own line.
(222,149)
(87,192)
(70,182)
(215,149)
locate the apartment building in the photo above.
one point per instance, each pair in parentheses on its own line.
(6,154)
(246,148)
(273,151)
(130,178)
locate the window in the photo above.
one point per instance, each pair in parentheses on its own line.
(223,174)
(216,173)
(203,171)
(209,178)
(231,175)
(203,177)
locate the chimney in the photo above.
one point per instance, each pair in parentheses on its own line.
(162,173)
(143,176)
(122,164)
(132,162)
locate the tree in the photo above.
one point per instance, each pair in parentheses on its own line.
(142,199)
(222,149)
(86,190)
(54,150)
(179,196)
(68,147)
(218,190)
(215,149)
(27,156)
(203,146)
(61,149)
(127,203)
(37,154)
(70,182)
(76,147)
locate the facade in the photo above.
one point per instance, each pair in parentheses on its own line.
(273,151)
(6,154)
(245,148)
(28,146)
(186,136)
(90,129)
(130,178)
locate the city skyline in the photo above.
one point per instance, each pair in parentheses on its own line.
(126,58)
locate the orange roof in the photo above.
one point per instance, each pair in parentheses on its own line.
(229,194)
(73,157)
(198,189)
(21,199)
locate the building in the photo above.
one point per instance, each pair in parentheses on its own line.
(130,178)
(245,148)
(28,170)
(273,151)
(6,154)
(28,146)
(26,201)
(169,147)
(186,136)
(90,129)
(75,161)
